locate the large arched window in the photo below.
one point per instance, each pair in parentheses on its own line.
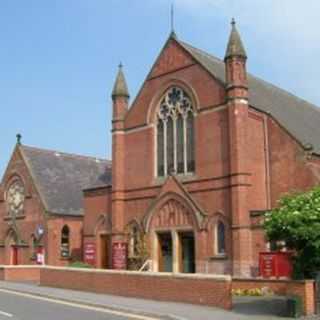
(15,198)
(65,242)
(175,133)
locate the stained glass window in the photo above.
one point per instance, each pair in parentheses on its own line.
(175,136)
(15,198)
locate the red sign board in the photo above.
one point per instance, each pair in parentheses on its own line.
(90,253)
(275,264)
(119,256)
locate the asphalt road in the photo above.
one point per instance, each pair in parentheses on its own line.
(26,307)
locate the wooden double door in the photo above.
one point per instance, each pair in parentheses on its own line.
(181,252)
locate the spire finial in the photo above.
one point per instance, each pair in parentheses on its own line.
(120,88)
(235,46)
(19,137)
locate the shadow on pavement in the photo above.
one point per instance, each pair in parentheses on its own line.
(262,306)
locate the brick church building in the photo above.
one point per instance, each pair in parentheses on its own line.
(197,158)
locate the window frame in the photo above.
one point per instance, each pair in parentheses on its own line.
(217,239)
(65,250)
(175,117)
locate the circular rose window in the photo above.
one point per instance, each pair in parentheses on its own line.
(15,198)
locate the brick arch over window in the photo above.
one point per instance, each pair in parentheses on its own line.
(172,210)
(154,105)
(12,236)
(103,223)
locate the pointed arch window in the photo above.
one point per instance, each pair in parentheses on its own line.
(221,238)
(65,242)
(175,133)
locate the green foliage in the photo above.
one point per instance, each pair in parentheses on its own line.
(79,264)
(297,222)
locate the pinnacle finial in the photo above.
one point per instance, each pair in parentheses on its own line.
(120,88)
(19,137)
(235,46)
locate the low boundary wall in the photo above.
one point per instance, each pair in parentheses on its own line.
(203,289)
(305,289)
(197,288)
(20,273)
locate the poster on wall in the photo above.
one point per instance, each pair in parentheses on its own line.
(119,256)
(40,256)
(90,253)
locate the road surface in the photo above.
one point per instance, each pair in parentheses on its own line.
(19,306)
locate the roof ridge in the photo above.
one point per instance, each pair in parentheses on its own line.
(68,154)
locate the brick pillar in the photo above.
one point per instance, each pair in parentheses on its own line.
(120,97)
(237,97)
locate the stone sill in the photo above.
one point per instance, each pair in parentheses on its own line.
(219,257)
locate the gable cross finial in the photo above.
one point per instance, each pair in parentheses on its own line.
(172,18)
(19,137)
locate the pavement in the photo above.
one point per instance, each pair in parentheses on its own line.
(132,308)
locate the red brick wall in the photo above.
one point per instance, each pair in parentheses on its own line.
(22,273)
(291,170)
(33,211)
(304,289)
(205,290)
(54,240)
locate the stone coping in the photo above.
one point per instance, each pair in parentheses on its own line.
(271,280)
(215,277)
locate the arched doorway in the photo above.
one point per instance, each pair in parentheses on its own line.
(173,229)
(12,252)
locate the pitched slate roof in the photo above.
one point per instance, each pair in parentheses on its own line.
(299,117)
(61,177)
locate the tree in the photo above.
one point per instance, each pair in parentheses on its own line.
(297,222)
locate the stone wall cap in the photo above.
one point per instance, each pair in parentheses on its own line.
(199,276)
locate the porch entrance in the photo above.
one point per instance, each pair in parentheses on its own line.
(13,255)
(165,252)
(104,244)
(187,264)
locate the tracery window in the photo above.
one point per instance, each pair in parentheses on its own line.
(15,197)
(175,133)
(65,242)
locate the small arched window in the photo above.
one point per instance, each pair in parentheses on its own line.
(134,237)
(221,238)
(65,242)
(175,133)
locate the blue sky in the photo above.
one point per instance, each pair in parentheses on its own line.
(59,58)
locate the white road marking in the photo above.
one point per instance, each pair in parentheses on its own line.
(2,313)
(77,305)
